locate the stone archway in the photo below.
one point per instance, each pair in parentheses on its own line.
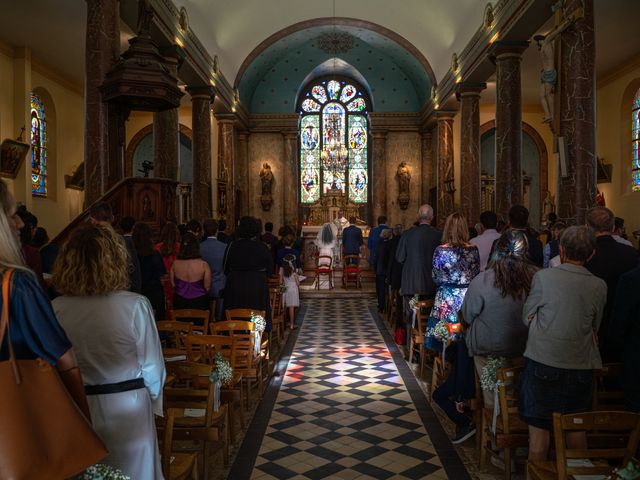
(138,138)
(543,155)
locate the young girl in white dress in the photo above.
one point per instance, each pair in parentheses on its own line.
(291,281)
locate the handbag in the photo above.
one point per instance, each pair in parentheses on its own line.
(43,433)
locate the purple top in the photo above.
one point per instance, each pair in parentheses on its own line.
(189,290)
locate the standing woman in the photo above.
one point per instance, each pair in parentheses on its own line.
(190,276)
(35,331)
(117,346)
(247,264)
(152,269)
(455,263)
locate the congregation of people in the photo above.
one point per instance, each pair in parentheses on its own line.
(93,302)
(560,302)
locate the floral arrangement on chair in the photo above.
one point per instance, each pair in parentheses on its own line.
(441,331)
(260,325)
(414,301)
(223,372)
(489,374)
(630,472)
(103,472)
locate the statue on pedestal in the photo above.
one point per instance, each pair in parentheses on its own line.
(266,180)
(404,178)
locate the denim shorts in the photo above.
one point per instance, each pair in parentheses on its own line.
(544,390)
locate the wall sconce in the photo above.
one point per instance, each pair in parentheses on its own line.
(450,185)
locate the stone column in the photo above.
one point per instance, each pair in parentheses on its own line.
(378,187)
(508,56)
(166,132)
(242,170)
(444,162)
(577,190)
(469,95)
(226,165)
(201,98)
(427,166)
(291,180)
(102,49)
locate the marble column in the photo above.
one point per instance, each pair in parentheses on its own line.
(444,162)
(226,165)
(166,132)
(508,56)
(290,182)
(469,95)
(378,184)
(426,176)
(577,190)
(242,170)
(102,49)
(202,194)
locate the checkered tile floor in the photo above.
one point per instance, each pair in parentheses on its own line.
(343,410)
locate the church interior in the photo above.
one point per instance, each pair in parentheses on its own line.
(339,113)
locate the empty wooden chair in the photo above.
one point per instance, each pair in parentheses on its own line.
(203,349)
(172,333)
(600,460)
(607,389)
(176,465)
(195,394)
(276,336)
(416,341)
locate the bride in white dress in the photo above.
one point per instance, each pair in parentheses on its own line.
(326,243)
(116,343)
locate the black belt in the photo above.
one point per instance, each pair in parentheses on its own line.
(107,388)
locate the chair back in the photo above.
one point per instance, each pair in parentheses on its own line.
(196,391)
(607,389)
(351,262)
(275,300)
(172,332)
(422,311)
(242,314)
(242,331)
(203,348)
(508,382)
(200,318)
(604,460)
(324,261)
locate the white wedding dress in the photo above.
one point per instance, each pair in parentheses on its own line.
(115,339)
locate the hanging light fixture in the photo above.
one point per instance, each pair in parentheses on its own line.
(334,155)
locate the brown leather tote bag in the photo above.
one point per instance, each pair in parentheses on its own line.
(43,433)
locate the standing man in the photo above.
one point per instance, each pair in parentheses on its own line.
(270,240)
(351,238)
(484,241)
(212,251)
(415,252)
(610,261)
(519,220)
(375,240)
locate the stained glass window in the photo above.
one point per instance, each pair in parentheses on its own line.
(310,159)
(329,103)
(635,143)
(38,148)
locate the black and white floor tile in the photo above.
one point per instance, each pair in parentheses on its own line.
(347,407)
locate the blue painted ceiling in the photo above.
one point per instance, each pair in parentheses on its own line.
(397,82)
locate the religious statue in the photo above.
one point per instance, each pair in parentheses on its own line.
(266,180)
(549,74)
(145,16)
(548,205)
(404,177)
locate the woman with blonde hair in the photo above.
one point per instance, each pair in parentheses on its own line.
(35,331)
(117,346)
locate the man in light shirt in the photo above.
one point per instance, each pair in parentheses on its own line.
(484,241)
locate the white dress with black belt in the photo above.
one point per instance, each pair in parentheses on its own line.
(115,339)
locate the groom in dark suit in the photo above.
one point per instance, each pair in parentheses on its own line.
(351,239)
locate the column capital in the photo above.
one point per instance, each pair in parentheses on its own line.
(201,91)
(290,134)
(507,49)
(379,134)
(173,53)
(469,89)
(225,118)
(445,115)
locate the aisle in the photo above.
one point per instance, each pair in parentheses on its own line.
(345,409)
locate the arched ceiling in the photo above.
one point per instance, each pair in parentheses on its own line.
(437,28)
(271,76)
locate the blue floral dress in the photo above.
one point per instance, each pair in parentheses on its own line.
(453,269)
